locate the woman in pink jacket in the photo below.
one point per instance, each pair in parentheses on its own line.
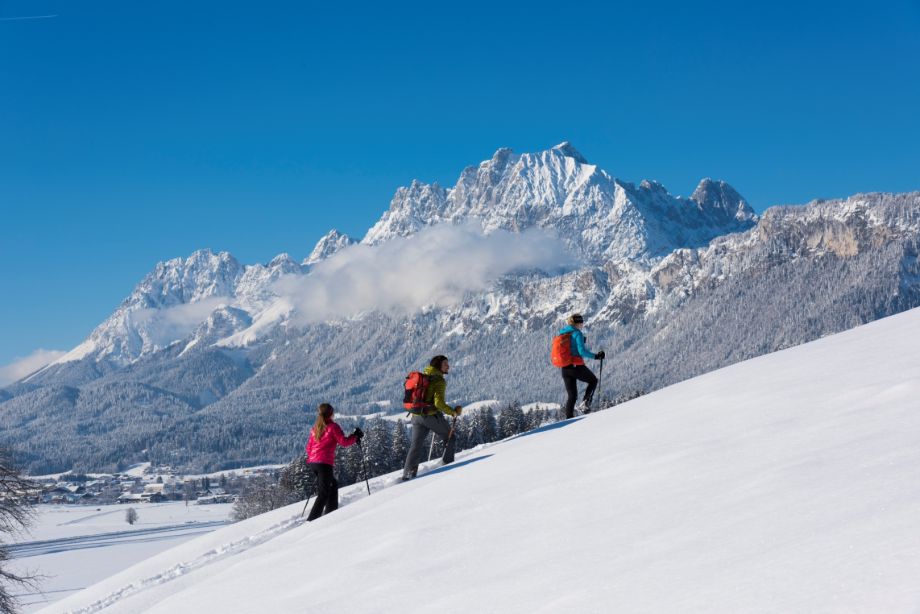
(324,437)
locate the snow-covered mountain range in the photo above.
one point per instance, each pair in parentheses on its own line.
(600,218)
(672,287)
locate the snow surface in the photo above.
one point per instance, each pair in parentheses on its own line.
(138,470)
(75,546)
(787,483)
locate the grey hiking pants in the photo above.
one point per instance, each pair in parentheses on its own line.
(421,426)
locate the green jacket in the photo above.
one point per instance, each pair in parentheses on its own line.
(437,388)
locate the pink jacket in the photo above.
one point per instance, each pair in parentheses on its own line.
(323,451)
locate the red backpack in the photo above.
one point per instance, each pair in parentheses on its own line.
(416,387)
(561,354)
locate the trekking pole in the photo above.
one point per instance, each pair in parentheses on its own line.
(450,434)
(600,380)
(453,425)
(364,462)
(307,502)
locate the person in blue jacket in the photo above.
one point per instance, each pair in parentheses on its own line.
(578,371)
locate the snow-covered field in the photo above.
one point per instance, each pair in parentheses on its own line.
(788,483)
(75,546)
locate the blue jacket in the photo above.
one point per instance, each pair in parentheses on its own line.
(578,342)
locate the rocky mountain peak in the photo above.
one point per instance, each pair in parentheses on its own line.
(502,155)
(567,150)
(284,262)
(719,196)
(651,185)
(412,208)
(203,274)
(332,242)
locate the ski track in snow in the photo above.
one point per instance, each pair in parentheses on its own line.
(83,519)
(183,569)
(103,540)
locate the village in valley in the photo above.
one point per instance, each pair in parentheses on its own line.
(142,484)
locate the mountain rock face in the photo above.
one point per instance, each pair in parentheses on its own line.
(600,217)
(218,368)
(332,243)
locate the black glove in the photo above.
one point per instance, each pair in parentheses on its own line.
(600,355)
(358,434)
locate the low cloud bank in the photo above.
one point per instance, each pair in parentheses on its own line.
(22,367)
(436,266)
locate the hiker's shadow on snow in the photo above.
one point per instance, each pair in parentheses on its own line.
(542,429)
(550,427)
(453,466)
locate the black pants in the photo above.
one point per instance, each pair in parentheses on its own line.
(327,491)
(571,376)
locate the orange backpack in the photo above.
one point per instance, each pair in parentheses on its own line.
(561,354)
(416,387)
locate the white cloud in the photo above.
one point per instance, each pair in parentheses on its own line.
(436,266)
(22,367)
(163,326)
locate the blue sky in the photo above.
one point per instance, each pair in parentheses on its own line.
(132,133)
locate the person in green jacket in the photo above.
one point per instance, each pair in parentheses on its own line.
(432,418)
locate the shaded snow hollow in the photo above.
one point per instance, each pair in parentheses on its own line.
(787,483)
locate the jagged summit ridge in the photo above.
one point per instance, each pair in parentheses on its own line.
(202,275)
(599,216)
(411,209)
(331,243)
(567,149)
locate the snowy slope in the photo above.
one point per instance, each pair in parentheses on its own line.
(787,483)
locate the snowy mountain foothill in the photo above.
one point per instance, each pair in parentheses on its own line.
(785,483)
(236,357)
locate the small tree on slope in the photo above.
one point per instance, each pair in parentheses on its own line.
(15,515)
